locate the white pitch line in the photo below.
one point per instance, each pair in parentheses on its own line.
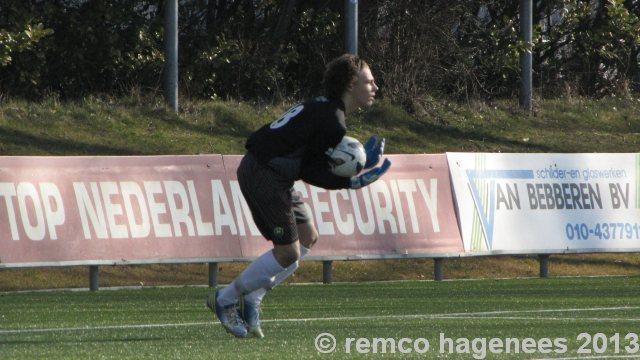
(593,357)
(541,311)
(107,327)
(536,318)
(445,316)
(475,315)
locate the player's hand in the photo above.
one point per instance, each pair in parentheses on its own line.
(374,150)
(370,176)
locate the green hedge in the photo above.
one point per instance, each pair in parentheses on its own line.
(268,49)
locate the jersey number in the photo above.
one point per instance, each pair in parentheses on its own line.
(286,117)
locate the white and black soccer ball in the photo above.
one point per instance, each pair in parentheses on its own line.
(347,158)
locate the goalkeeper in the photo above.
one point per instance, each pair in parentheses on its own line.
(290,148)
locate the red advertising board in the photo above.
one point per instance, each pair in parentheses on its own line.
(76,210)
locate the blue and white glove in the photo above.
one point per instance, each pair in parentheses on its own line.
(374,150)
(370,176)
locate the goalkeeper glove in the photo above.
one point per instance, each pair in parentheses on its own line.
(370,176)
(374,150)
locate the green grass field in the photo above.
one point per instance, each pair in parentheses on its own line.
(171,323)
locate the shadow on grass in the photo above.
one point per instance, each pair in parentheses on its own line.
(59,146)
(438,129)
(595,262)
(57,341)
(456,135)
(223,122)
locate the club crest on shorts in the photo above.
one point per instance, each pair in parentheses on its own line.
(278,232)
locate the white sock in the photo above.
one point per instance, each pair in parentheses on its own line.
(257,295)
(257,275)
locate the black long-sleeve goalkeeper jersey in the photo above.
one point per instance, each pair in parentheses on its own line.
(295,145)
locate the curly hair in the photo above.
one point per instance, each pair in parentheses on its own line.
(341,73)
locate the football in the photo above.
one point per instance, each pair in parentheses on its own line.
(348,157)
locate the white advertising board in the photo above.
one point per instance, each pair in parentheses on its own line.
(547,203)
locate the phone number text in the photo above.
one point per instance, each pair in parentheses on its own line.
(603,231)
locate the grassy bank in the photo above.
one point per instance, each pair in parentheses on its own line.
(144,126)
(139,125)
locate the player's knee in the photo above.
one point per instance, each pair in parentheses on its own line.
(308,235)
(287,255)
(310,241)
(290,258)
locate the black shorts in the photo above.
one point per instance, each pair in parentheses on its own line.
(275,206)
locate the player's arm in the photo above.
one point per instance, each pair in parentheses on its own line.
(315,165)
(317,173)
